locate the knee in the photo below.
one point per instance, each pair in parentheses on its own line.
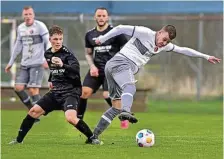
(129,88)
(86,93)
(19,88)
(33,91)
(72,119)
(33,113)
(36,111)
(105,94)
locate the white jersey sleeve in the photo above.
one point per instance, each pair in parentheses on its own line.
(45,35)
(17,49)
(134,31)
(169,47)
(189,52)
(43,29)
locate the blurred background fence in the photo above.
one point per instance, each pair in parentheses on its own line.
(168,74)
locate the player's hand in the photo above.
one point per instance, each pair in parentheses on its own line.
(57,61)
(7,68)
(97,41)
(94,71)
(45,65)
(213,60)
(50,85)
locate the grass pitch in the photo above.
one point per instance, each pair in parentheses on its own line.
(183,130)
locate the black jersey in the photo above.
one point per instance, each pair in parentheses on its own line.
(67,77)
(104,52)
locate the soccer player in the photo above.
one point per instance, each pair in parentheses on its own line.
(65,89)
(97,57)
(144,44)
(32,40)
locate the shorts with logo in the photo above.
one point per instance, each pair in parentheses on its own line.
(31,76)
(60,101)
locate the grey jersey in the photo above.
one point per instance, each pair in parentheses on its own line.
(32,41)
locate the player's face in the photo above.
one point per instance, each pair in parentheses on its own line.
(101,17)
(56,41)
(162,38)
(28,16)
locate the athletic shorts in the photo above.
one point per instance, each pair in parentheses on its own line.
(95,82)
(119,71)
(59,101)
(31,76)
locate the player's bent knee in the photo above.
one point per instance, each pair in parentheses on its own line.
(86,92)
(71,117)
(19,88)
(33,91)
(36,111)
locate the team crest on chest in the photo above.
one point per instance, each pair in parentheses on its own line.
(31,31)
(156,49)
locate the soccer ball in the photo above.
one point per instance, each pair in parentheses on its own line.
(145,138)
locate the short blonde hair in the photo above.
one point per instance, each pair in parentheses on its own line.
(27,7)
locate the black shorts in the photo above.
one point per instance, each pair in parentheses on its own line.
(59,101)
(95,82)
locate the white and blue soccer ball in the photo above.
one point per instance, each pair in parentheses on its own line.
(145,138)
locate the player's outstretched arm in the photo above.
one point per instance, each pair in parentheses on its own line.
(194,53)
(120,29)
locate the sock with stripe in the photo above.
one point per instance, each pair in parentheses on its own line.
(25,98)
(105,120)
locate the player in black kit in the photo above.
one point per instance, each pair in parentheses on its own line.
(97,57)
(65,89)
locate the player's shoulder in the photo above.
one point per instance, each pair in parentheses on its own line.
(91,31)
(67,51)
(21,26)
(48,51)
(39,23)
(110,26)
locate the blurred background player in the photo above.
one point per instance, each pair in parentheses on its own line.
(97,57)
(65,89)
(32,40)
(120,70)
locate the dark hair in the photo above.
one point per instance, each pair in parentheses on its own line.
(101,8)
(55,30)
(171,31)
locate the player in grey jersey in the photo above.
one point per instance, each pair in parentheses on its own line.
(32,41)
(120,70)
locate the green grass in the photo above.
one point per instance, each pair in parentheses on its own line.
(183,130)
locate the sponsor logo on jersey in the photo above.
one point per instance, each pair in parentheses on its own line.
(57,72)
(102,48)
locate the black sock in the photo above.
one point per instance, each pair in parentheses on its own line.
(25,98)
(35,98)
(82,108)
(108,100)
(84,128)
(25,127)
